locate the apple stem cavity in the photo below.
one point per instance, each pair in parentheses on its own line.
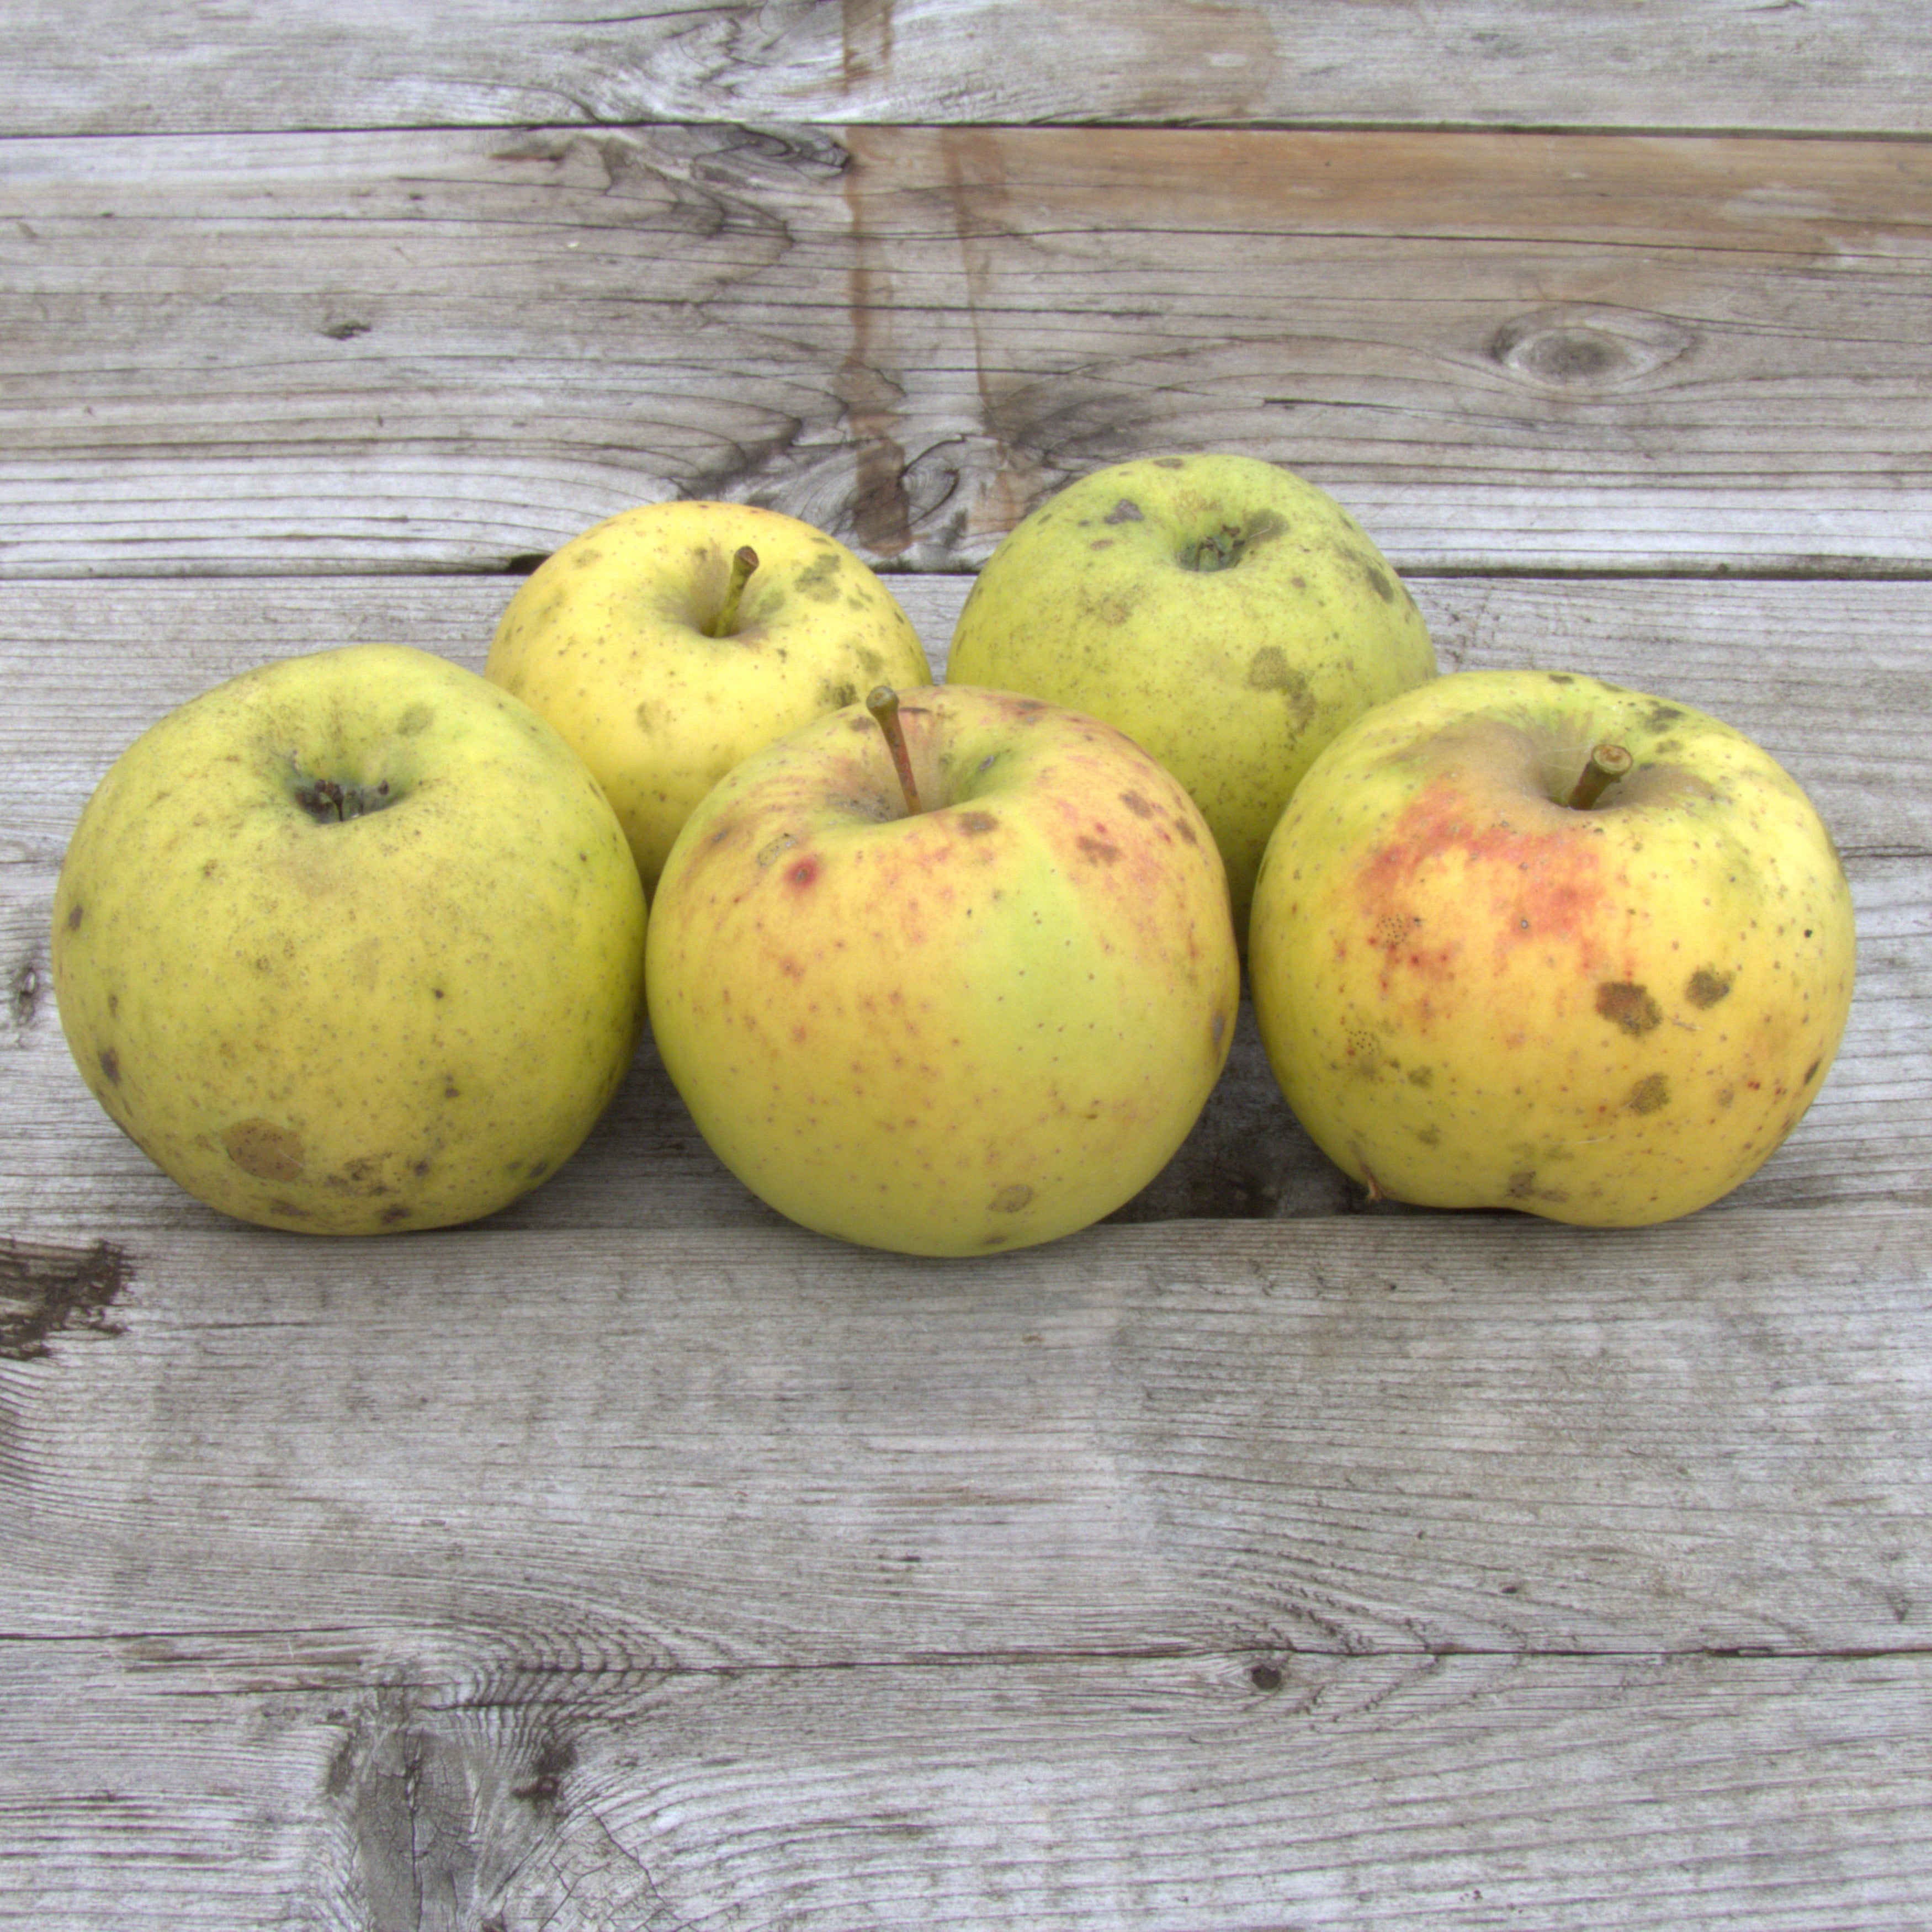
(1607,763)
(883,702)
(744,561)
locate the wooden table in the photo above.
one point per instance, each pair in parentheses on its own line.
(1253,1560)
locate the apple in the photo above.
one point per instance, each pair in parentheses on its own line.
(351,942)
(1228,616)
(669,642)
(1525,940)
(959,1008)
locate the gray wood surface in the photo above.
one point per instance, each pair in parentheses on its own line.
(416,350)
(1259,1559)
(100,66)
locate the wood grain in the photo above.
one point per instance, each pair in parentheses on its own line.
(433,350)
(718,1448)
(636,1561)
(98,67)
(337,1781)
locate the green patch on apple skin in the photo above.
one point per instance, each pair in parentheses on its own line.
(819,579)
(1650,1095)
(1707,986)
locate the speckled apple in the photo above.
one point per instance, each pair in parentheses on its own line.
(351,944)
(1479,989)
(633,642)
(1224,613)
(960,1030)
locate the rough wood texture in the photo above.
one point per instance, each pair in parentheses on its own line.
(408,350)
(339,1782)
(635,1562)
(738,1448)
(99,66)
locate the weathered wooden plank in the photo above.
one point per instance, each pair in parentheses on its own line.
(736,1448)
(367,1780)
(1831,677)
(428,350)
(100,66)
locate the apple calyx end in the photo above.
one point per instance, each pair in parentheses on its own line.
(1605,765)
(329,802)
(744,561)
(1220,549)
(883,702)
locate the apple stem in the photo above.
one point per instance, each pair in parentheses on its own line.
(1607,763)
(744,561)
(883,702)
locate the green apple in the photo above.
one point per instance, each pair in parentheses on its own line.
(1525,940)
(1227,616)
(351,942)
(668,643)
(954,1012)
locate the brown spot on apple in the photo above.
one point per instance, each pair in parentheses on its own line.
(364,1174)
(1629,1006)
(73,916)
(261,1148)
(1267,670)
(1100,850)
(1011,1199)
(1707,986)
(1124,512)
(804,874)
(1137,805)
(977,824)
(110,1064)
(1185,827)
(1651,1093)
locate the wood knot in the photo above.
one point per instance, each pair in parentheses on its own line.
(1579,348)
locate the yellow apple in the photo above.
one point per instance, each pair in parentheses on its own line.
(1228,616)
(664,666)
(1525,940)
(351,942)
(955,1030)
